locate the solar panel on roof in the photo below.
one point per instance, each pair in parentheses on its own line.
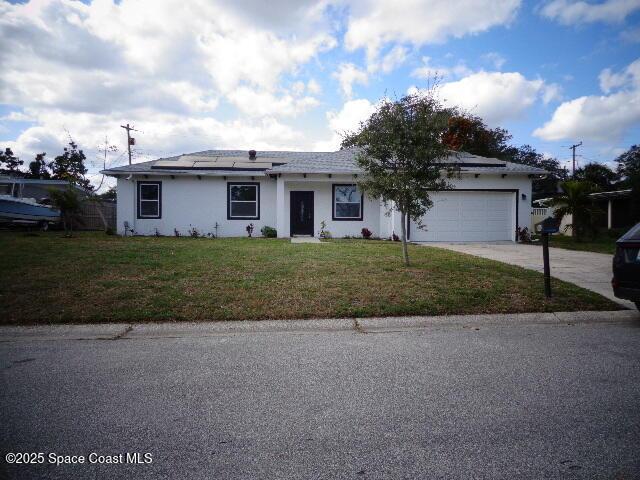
(173,164)
(251,165)
(199,158)
(279,160)
(213,164)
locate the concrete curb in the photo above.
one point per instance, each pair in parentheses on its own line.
(100,331)
(401,323)
(118,331)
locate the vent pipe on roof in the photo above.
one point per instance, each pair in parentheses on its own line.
(252,154)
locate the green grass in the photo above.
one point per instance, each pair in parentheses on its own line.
(603,243)
(97,278)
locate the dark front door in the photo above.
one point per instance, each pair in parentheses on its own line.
(301,213)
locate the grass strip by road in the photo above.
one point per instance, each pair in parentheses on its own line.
(601,244)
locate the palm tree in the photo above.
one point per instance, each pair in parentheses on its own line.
(575,201)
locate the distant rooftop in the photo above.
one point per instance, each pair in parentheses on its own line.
(33,181)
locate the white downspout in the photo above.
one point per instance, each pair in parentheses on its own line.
(135,203)
(280,206)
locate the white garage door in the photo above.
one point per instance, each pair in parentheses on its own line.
(468,217)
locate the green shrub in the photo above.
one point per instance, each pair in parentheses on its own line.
(269,232)
(324,233)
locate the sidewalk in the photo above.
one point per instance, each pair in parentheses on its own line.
(120,331)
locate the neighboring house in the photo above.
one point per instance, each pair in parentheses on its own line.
(35,188)
(222,191)
(614,211)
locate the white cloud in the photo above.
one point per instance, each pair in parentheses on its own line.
(610,80)
(91,67)
(348,74)
(569,12)
(160,135)
(313,87)
(495,96)
(495,59)
(603,118)
(347,119)
(298,88)
(262,103)
(551,92)
(393,59)
(374,23)
(428,70)
(17,117)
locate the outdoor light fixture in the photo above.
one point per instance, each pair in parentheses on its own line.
(524,196)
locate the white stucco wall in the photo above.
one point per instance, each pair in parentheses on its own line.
(189,202)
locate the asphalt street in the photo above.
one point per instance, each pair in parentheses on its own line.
(450,401)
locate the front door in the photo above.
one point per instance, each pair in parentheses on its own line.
(301,213)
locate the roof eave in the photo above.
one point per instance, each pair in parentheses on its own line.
(183,173)
(504,172)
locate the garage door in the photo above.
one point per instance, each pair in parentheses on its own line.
(468,217)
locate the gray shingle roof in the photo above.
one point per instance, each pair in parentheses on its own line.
(342,161)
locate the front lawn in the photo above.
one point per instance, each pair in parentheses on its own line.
(96,278)
(603,243)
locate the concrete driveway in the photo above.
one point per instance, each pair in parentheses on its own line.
(586,269)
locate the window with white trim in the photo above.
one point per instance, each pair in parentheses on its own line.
(347,202)
(149,199)
(243,201)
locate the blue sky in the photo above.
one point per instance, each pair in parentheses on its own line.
(292,74)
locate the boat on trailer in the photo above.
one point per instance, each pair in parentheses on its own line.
(17,209)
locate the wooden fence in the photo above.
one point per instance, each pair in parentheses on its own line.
(97,215)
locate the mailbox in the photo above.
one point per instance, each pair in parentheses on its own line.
(548,225)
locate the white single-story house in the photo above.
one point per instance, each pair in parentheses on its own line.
(222,191)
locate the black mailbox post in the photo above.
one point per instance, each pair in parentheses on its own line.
(546,227)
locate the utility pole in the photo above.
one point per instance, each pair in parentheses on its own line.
(130,139)
(573,147)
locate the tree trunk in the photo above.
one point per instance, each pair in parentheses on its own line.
(405,252)
(574,227)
